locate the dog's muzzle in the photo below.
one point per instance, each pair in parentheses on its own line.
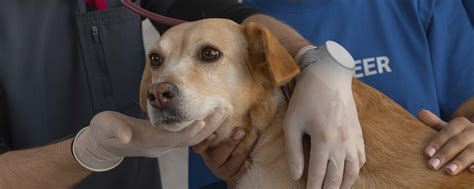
(162,95)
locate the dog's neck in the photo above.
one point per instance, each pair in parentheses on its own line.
(268,111)
(265,112)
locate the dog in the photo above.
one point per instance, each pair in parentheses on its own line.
(198,66)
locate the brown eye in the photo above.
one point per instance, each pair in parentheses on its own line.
(155,60)
(209,54)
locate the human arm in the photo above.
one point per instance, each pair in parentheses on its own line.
(113,136)
(317,87)
(323,107)
(35,168)
(99,147)
(287,36)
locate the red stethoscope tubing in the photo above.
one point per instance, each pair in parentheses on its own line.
(172,22)
(150,15)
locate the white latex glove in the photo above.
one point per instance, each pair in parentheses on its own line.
(323,107)
(113,136)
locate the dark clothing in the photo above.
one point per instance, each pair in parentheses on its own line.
(60,64)
(192,10)
(3,143)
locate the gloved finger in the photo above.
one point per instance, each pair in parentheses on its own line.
(181,138)
(451,148)
(294,151)
(334,173)
(430,119)
(195,132)
(203,146)
(112,125)
(318,162)
(154,152)
(124,134)
(351,172)
(241,153)
(454,127)
(222,151)
(462,161)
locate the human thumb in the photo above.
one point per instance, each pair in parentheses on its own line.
(124,134)
(430,119)
(112,125)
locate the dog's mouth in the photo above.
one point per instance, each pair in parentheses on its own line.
(170,119)
(168,115)
(181,115)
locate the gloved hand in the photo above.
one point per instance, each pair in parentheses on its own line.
(323,107)
(111,136)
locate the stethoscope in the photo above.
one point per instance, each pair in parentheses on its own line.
(150,15)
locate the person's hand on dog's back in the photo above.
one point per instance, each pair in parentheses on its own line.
(323,107)
(113,136)
(229,159)
(453,147)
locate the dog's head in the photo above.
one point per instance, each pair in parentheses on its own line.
(198,66)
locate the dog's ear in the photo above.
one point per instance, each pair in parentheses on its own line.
(268,55)
(145,84)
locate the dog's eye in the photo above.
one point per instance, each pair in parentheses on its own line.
(209,54)
(156,60)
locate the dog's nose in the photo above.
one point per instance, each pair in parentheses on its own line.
(161,95)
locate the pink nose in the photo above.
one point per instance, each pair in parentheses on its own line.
(161,95)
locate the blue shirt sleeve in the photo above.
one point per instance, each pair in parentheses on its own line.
(451,40)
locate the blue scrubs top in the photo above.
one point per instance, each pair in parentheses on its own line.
(420,53)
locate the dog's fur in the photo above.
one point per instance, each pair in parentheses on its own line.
(245,81)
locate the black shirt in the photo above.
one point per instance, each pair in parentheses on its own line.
(61,64)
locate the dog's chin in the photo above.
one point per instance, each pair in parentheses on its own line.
(179,120)
(174,126)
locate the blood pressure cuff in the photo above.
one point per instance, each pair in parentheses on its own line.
(3,125)
(192,10)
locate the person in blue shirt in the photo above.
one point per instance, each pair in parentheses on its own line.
(418,52)
(425,47)
(64,62)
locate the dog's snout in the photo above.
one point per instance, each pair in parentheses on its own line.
(162,94)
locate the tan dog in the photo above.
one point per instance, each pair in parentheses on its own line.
(198,66)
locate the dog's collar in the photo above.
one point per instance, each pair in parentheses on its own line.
(287,90)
